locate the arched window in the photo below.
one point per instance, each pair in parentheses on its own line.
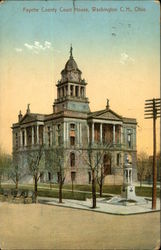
(72,159)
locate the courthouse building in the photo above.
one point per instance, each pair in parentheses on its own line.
(73,126)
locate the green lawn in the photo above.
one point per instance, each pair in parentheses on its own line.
(146,191)
(46,191)
(110,189)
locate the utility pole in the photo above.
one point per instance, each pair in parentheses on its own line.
(152,111)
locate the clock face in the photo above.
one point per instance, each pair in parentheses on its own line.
(74,76)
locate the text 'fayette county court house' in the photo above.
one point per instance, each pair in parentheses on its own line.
(74,126)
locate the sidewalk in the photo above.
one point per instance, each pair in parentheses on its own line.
(102,206)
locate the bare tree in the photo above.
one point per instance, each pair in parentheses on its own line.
(143,166)
(5,163)
(49,163)
(57,164)
(93,160)
(36,166)
(60,166)
(100,170)
(15,170)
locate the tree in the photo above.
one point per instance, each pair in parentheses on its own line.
(5,163)
(36,166)
(94,157)
(15,170)
(57,164)
(143,166)
(49,163)
(60,166)
(101,171)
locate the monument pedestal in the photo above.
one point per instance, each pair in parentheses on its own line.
(128,192)
(128,196)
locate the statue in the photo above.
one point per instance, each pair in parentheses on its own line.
(28,108)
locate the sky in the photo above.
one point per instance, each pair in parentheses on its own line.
(117,50)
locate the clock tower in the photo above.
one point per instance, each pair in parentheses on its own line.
(71,89)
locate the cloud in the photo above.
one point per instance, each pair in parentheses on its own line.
(18,49)
(28,46)
(47,44)
(36,47)
(125,58)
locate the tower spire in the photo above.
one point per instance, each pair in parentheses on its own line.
(71,51)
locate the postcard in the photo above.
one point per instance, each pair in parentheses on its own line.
(76,150)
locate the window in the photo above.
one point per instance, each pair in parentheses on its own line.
(77,91)
(129,140)
(118,159)
(73,176)
(71,90)
(72,134)
(72,140)
(23,138)
(49,141)
(16,140)
(72,159)
(58,127)
(107,164)
(72,126)
(59,136)
(41,134)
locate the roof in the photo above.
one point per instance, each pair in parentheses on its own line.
(108,114)
(33,117)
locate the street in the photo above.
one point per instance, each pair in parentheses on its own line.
(37,226)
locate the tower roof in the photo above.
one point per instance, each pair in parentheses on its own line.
(71,65)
